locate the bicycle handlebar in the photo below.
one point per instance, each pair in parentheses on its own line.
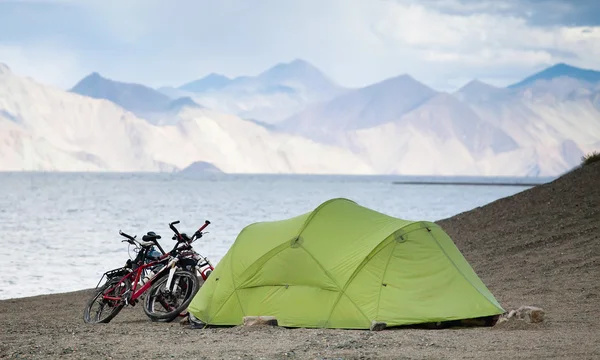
(206,223)
(187,240)
(171,225)
(179,237)
(126,235)
(133,241)
(130,239)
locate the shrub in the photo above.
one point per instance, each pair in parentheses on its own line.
(590,158)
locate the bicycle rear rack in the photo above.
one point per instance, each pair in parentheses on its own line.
(118,272)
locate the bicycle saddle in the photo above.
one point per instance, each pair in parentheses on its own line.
(150,236)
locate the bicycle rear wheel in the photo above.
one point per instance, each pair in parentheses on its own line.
(163,304)
(107,309)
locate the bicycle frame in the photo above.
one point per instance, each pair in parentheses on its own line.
(138,274)
(205,267)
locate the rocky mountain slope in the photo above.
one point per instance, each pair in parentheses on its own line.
(139,99)
(46,129)
(541,127)
(560,70)
(538,127)
(361,108)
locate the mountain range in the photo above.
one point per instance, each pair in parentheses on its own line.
(268,97)
(292,118)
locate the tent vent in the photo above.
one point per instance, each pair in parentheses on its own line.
(296,242)
(398,237)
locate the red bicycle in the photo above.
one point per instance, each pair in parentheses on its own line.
(171,269)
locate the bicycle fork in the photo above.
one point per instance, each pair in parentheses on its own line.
(172,268)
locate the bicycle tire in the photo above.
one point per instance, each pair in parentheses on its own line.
(171,315)
(115,310)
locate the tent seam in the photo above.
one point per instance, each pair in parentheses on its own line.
(302,228)
(306,222)
(220,307)
(265,258)
(457,269)
(341,291)
(317,209)
(387,264)
(234,285)
(235,288)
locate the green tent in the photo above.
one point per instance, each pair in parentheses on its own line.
(343,266)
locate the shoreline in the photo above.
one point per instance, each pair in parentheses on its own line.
(465,183)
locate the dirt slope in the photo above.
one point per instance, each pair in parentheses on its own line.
(539,247)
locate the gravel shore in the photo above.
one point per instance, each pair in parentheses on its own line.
(540,247)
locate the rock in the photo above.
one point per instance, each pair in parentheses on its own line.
(530,314)
(377,326)
(260,320)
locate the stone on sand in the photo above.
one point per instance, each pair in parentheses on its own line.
(260,320)
(530,314)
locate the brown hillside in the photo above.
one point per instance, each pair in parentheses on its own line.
(540,246)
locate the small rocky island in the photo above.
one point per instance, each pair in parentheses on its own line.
(200,167)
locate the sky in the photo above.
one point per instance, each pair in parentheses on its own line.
(443,43)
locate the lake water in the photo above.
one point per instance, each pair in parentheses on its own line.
(59,232)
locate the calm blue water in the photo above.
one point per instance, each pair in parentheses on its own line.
(60,231)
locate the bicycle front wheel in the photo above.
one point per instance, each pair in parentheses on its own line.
(162,304)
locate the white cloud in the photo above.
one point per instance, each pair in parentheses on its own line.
(357,42)
(489,42)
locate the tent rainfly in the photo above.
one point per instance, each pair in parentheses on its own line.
(343,265)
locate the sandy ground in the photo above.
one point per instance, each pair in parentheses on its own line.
(540,247)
